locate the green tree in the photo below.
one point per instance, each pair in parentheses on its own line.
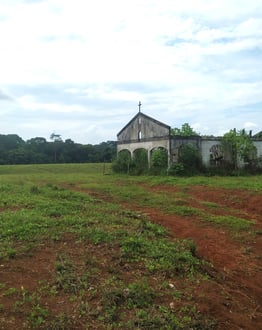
(10,141)
(123,163)
(37,148)
(189,161)
(10,144)
(140,162)
(185,130)
(105,151)
(239,145)
(37,141)
(159,161)
(57,140)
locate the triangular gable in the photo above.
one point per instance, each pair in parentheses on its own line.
(140,114)
(142,127)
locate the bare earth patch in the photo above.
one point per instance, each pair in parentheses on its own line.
(233,294)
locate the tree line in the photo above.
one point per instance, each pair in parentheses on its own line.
(14,150)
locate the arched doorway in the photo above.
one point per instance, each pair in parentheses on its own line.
(123,162)
(159,159)
(140,161)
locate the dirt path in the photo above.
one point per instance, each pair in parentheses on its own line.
(233,295)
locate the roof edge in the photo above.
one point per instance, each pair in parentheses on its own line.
(146,116)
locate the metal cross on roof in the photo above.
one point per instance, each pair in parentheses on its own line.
(139,106)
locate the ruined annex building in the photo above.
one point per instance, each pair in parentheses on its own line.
(144,132)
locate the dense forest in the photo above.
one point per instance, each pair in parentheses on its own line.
(14,150)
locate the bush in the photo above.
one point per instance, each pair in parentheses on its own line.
(177,169)
(159,161)
(189,162)
(140,162)
(190,158)
(123,163)
(136,166)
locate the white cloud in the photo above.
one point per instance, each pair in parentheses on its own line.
(249,124)
(187,61)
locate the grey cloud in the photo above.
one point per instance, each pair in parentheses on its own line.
(5,97)
(46,93)
(171,42)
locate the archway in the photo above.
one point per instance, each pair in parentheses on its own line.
(123,161)
(159,159)
(190,157)
(140,161)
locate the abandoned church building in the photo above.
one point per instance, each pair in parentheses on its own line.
(144,132)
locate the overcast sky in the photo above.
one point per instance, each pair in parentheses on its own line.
(79,67)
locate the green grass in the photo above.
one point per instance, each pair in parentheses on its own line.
(110,262)
(253,183)
(210,205)
(231,222)
(39,206)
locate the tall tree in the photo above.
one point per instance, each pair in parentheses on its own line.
(239,145)
(159,161)
(56,138)
(190,157)
(185,130)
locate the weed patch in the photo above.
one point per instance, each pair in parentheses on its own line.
(67,276)
(230,222)
(110,267)
(168,258)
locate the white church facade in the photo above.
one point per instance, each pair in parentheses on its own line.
(145,132)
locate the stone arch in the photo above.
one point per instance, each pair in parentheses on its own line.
(148,145)
(181,146)
(124,161)
(126,156)
(125,151)
(140,152)
(165,155)
(217,156)
(140,159)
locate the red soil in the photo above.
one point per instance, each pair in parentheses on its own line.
(233,294)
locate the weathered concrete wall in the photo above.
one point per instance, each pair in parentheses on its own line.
(206,145)
(148,144)
(143,127)
(147,133)
(258,145)
(145,144)
(177,141)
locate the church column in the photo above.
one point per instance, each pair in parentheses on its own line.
(149,157)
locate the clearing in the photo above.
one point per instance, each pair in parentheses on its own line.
(82,250)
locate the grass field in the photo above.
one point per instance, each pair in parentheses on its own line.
(79,249)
